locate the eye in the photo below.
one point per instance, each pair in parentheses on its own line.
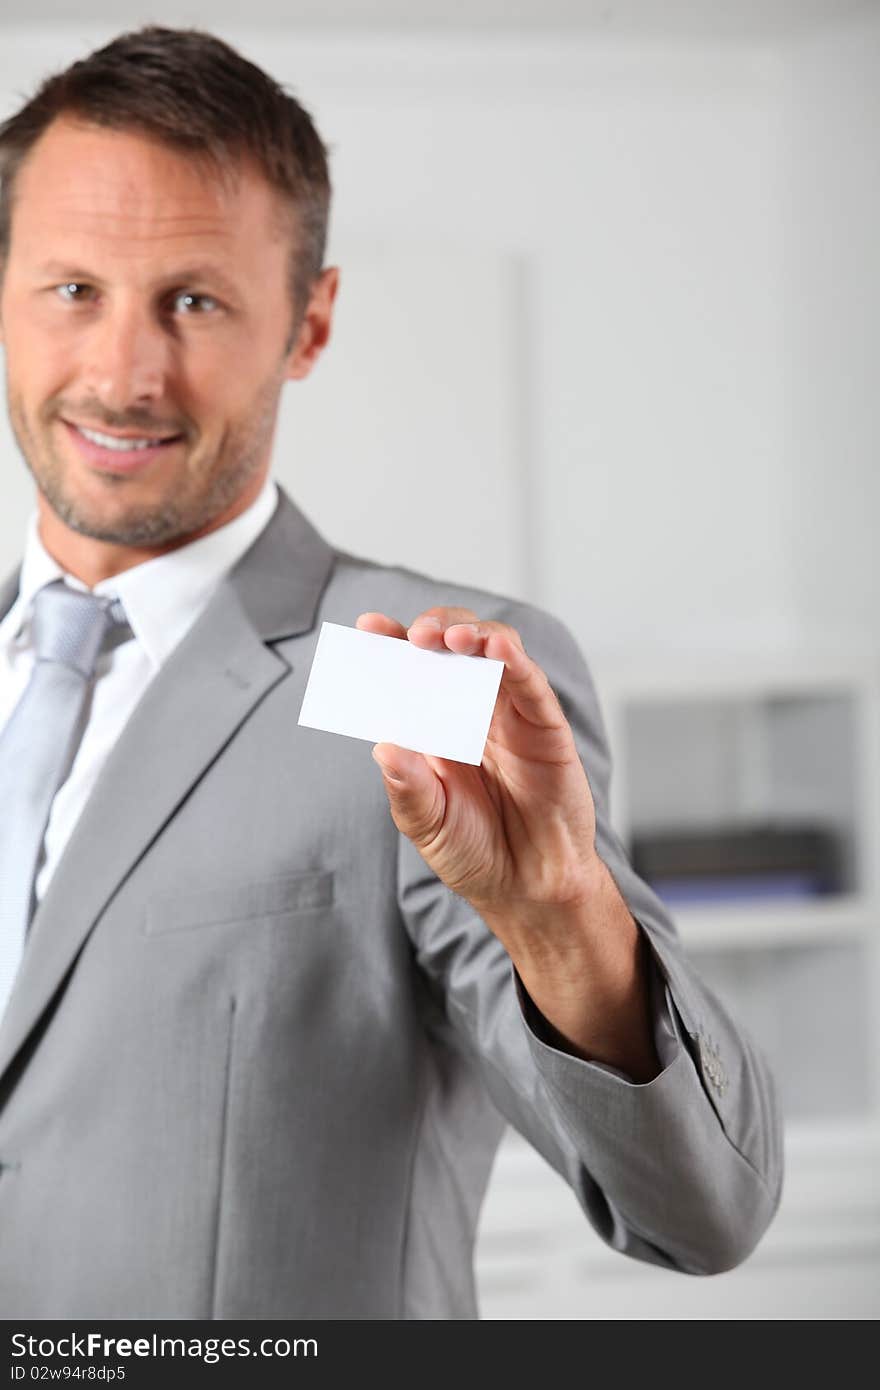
(193,303)
(74,292)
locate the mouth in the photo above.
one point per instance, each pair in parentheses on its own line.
(120,453)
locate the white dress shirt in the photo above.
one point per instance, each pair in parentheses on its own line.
(162,598)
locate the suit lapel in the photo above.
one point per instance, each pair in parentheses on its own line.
(188,713)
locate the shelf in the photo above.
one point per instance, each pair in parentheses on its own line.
(822,1144)
(829,1204)
(785,739)
(815,921)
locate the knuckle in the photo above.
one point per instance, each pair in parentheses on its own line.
(451,614)
(505,630)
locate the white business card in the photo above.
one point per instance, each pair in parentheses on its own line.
(387,690)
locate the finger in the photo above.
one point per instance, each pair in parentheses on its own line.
(415,793)
(381,624)
(470,638)
(523,681)
(428,628)
(526,684)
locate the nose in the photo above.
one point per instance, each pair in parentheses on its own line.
(127,358)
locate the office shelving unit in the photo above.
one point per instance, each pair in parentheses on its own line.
(764,739)
(750,738)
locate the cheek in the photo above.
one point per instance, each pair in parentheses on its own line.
(208,373)
(224,394)
(38,364)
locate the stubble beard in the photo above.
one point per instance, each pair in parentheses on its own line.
(201,493)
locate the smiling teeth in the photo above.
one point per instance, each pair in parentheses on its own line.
(109,441)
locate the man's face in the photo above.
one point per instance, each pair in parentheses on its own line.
(147,300)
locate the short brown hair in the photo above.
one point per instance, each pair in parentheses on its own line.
(195,93)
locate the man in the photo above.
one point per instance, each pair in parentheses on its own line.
(262,1036)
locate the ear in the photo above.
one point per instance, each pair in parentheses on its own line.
(314,330)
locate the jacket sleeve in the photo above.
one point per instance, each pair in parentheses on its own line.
(684,1170)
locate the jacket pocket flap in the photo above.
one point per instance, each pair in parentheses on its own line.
(240,902)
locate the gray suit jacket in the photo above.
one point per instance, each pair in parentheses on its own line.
(258,1059)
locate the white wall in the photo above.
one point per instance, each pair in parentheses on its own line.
(639,190)
(832,320)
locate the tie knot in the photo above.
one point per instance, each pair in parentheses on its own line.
(70,627)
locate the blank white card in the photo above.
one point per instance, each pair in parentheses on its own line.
(388,691)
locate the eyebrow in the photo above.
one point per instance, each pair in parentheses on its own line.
(182,279)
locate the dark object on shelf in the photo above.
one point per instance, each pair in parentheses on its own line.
(731,863)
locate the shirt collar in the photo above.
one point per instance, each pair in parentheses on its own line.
(163,596)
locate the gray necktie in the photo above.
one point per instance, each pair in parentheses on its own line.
(38,745)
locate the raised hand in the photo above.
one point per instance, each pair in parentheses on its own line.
(519,829)
(515,837)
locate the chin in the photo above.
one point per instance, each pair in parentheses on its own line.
(116,525)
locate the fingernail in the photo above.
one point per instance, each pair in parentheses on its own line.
(388,771)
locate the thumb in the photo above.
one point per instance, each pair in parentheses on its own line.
(415,792)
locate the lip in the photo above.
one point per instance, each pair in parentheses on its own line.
(118,460)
